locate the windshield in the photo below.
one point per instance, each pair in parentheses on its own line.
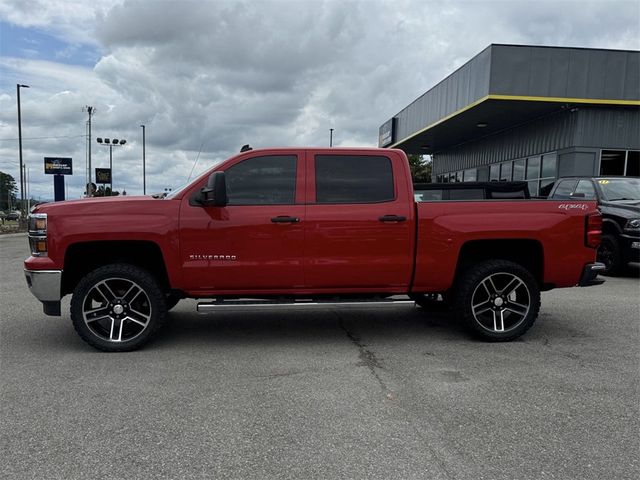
(620,188)
(178,190)
(173,193)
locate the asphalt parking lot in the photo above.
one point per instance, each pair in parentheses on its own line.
(393,393)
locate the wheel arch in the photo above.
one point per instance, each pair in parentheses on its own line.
(528,253)
(84,257)
(610,226)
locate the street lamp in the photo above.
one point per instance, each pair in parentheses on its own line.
(144,179)
(22,217)
(111,143)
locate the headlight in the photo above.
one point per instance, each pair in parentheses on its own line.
(38,234)
(633,224)
(38,223)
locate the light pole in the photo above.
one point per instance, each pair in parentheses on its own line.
(91,111)
(111,144)
(18,86)
(331,137)
(144,178)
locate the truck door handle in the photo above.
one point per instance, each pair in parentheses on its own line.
(392,218)
(285,219)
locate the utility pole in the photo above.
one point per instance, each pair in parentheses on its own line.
(90,111)
(331,137)
(144,179)
(18,86)
(27,174)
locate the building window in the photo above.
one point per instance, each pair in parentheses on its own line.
(533,175)
(620,162)
(459,176)
(494,172)
(483,174)
(548,174)
(505,172)
(533,168)
(549,161)
(470,175)
(612,162)
(518,169)
(633,163)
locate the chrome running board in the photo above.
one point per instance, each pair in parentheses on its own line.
(249,304)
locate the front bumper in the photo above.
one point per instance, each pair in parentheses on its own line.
(590,274)
(630,245)
(46,286)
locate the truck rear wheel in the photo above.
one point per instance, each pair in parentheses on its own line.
(117,307)
(498,300)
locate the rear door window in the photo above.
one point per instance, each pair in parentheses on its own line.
(353,179)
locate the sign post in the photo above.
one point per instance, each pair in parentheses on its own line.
(58,167)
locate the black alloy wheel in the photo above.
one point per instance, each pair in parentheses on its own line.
(609,254)
(118,307)
(498,300)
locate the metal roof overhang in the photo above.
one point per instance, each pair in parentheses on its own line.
(489,115)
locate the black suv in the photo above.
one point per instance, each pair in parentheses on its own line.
(619,202)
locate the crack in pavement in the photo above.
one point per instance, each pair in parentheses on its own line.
(367,358)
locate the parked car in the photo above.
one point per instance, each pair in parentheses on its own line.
(304,226)
(619,202)
(13,216)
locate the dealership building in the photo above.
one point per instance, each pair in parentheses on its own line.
(527,113)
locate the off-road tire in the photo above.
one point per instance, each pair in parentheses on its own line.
(150,298)
(470,291)
(610,254)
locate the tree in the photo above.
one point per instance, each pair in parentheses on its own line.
(420,168)
(8,192)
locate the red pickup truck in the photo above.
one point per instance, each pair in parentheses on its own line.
(309,225)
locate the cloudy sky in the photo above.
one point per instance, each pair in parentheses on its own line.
(214,75)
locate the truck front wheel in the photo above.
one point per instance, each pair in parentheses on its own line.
(498,300)
(117,307)
(609,253)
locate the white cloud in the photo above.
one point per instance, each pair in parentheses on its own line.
(222,74)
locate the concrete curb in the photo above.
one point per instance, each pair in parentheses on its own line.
(12,235)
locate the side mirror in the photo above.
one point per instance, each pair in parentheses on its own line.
(215,193)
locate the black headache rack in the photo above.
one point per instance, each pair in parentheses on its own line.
(428,192)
